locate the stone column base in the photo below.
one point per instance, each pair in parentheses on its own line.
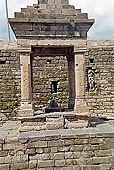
(81,107)
(26,109)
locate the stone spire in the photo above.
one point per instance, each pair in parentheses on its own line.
(51,18)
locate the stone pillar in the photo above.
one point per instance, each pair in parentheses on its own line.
(80,104)
(71,76)
(26,92)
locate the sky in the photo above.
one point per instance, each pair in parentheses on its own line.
(100,10)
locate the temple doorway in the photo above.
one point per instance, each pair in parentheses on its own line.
(53,76)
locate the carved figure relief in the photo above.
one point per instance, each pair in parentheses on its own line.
(91,79)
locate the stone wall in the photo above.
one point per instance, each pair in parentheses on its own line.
(45,70)
(100,76)
(58,150)
(9,78)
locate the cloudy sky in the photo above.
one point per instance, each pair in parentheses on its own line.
(101,10)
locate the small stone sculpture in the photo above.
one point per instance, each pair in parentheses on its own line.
(53,104)
(91,80)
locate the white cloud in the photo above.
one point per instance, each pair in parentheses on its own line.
(101,11)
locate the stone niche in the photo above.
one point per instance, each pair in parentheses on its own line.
(52,40)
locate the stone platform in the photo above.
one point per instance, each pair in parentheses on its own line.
(63,149)
(53,121)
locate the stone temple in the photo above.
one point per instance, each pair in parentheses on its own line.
(51,38)
(56,92)
(53,67)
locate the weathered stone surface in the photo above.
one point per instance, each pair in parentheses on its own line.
(47,163)
(3,117)
(54,123)
(96,104)
(33,164)
(58,156)
(76,124)
(41,144)
(68,149)
(58,12)
(59,163)
(8,146)
(4,167)
(100,160)
(19,166)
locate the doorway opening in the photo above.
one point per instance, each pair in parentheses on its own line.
(53,76)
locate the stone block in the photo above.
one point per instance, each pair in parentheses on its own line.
(68,7)
(31,151)
(24,158)
(63,148)
(69,155)
(36,157)
(8,146)
(64,2)
(63,168)
(53,149)
(58,156)
(46,163)
(16,159)
(33,164)
(50,168)
(91,167)
(100,160)
(59,163)
(103,153)
(8,159)
(45,156)
(77,11)
(3,153)
(105,167)
(68,161)
(76,148)
(18,166)
(1,160)
(43,1)
(54,123)
(76,124)
(43,6)
(77,155)
(47,150)
(19,15)
(39,150)
(26,128)
(40,144)
(54,143)
(4,167)
(69,142)
(76,167)
(67,11)
(0,147)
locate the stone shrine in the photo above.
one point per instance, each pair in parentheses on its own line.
(56,92)
(52,29)
(52,60)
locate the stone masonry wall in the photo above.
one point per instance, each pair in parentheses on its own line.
(100,77)
(45,70)
(58,150)
(9,78)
